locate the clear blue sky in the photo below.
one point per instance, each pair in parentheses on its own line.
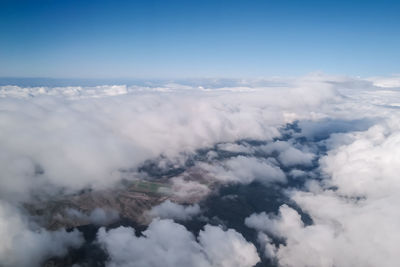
(184,39)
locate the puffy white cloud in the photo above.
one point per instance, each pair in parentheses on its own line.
(369,165)
(288,154)
(268,248)
(245,170)
(171,210)
(287,221)
(166,243)
(23,244)
(227,248)
(354,209)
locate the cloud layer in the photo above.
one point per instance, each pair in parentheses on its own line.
(53,138)
(59,141)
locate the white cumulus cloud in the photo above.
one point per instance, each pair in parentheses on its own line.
(166,243)
(354,209)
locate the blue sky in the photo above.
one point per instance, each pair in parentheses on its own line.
(194,39)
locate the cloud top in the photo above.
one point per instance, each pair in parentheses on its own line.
(166,243)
